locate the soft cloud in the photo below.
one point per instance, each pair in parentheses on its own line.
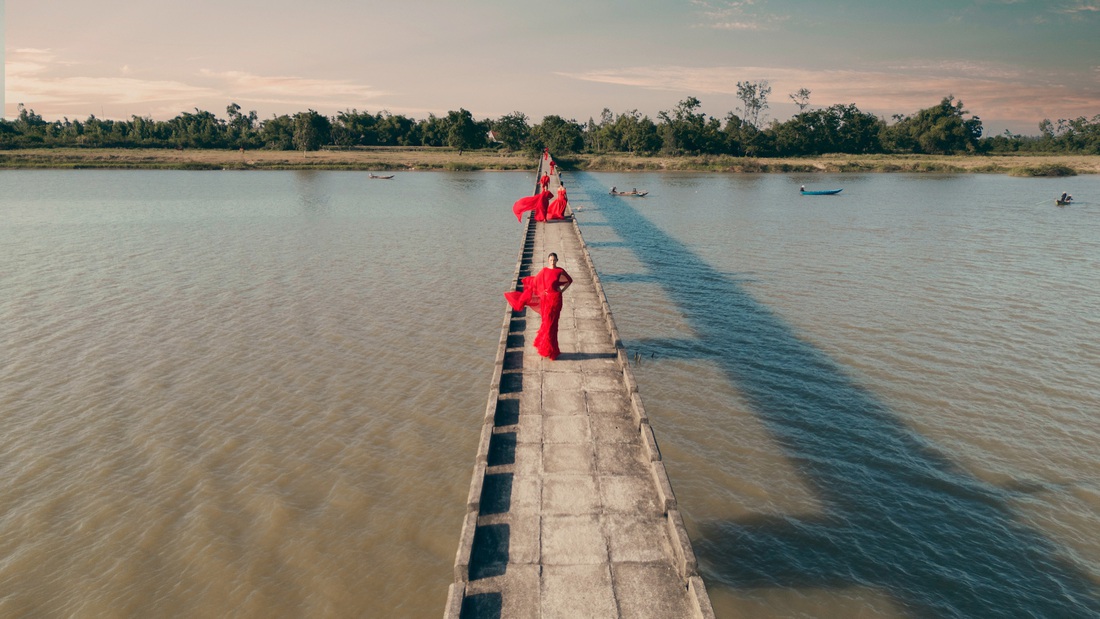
(291,89)
(55,86)
(736,25)
(1082,7)
(741,15)
(36,77)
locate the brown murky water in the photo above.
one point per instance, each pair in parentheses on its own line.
(257,394)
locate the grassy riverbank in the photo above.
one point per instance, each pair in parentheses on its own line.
(407,159)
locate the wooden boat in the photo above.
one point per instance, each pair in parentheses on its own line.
(1058,202)
(826,192)
(629,194)
(373,175)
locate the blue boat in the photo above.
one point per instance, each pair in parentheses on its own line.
(827,192)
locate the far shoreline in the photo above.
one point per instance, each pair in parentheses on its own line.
(408,159)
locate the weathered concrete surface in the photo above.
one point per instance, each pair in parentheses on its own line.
(570,512)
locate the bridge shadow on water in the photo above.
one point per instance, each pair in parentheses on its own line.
(898,516)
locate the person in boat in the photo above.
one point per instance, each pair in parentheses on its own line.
(614,190)
(634,190)
(802,188)
(543,292)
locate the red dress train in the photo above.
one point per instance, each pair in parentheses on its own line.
(543,293)
(538,203)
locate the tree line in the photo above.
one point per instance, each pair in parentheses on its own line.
(945,128)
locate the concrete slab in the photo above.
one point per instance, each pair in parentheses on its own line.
(637,539)
(607,403)
(650,591)
(567,429)
(569,495)
(573,591)
(577,459)
(563,403)
(573,540)
(562,381)
(621,459)
(604,381)
(628,494)
(613,430)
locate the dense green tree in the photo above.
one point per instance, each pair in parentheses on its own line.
(355,128)
(686,130)
(433,131)
(938,130)
(463,132)
(1079,135)
(310,130)
(561,136)
(835,129)
(240,130)
(277,133)
(637,133)
(393,129)
(512,130)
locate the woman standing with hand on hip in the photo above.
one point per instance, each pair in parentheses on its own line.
(542,292)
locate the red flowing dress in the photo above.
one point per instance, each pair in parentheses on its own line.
(542,292)
(538,203)
(556,209)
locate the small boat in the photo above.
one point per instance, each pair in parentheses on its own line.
(826,192)
(1058,202)
(385,178)
(630,194)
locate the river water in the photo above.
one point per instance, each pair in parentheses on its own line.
(258,393)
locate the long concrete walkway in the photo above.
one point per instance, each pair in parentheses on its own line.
(570,513)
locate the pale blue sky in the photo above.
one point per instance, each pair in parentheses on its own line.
(1012,62)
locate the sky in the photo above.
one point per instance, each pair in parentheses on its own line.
(1011,62)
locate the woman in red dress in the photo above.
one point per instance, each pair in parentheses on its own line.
(543,293)
(556,209)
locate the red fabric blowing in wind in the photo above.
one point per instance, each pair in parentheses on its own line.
(538,203)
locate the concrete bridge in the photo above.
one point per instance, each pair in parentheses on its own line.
(570,512)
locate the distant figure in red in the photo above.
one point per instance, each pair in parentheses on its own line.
(538,203)
(552,164)
(546,153)
(556,209)
(543,293)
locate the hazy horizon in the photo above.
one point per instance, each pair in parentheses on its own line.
(1011,62)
